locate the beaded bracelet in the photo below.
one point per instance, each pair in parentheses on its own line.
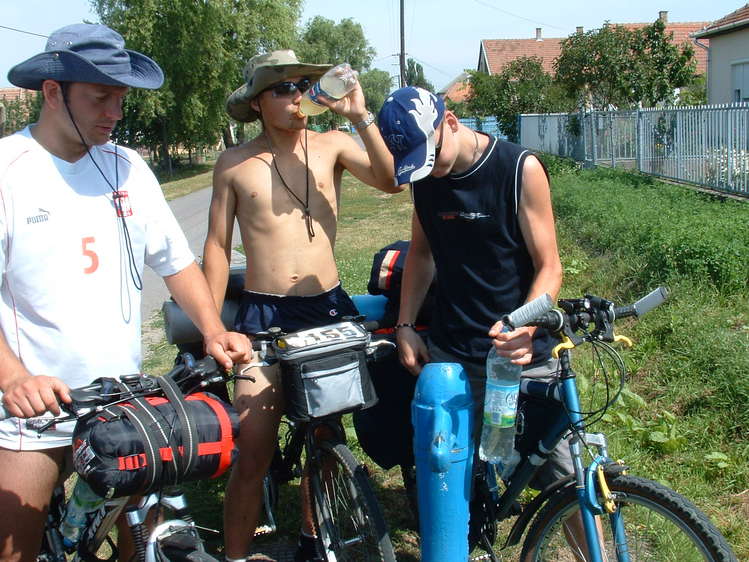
(405,325)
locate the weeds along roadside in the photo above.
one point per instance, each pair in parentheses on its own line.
(685,417)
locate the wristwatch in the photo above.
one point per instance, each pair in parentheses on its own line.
(368,120)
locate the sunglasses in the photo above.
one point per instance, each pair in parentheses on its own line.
(289,88)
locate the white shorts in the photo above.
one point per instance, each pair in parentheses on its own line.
(14,435)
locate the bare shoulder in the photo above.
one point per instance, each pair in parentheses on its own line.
(237,159)
(236,155)
(333,139)
(533,167)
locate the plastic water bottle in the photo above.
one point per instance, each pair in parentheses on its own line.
(82,502)
(500,406)
(334,84)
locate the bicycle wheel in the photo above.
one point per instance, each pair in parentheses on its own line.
(659,525)
(348,518)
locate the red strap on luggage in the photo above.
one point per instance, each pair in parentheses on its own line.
(226,444)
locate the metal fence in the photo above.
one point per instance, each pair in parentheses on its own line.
(703,145)
(485,124)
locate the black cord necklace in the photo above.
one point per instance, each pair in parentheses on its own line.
(116,198)
(294,196)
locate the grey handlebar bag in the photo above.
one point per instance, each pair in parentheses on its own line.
(324,371)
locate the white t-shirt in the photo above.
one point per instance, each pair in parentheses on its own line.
(69,306)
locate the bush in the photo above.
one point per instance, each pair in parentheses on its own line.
(668,232)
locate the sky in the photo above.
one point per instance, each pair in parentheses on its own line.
(442,35)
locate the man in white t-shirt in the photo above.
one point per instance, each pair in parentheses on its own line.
(79,219)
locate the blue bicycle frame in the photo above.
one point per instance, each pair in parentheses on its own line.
(569,415)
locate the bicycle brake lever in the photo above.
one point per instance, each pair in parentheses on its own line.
(40,425)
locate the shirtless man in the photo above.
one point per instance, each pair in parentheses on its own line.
(284,189)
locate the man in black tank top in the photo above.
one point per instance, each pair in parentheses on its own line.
(483,223)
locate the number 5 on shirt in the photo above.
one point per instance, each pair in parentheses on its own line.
(89,253)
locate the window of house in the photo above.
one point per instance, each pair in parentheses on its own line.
(740,81)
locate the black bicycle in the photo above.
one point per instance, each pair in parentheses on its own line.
(175,536)
(315,365)
(600,512)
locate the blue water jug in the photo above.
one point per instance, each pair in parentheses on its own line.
(441,413)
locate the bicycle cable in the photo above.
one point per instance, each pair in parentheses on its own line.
(591,417)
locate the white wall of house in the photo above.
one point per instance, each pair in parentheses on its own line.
(728,67)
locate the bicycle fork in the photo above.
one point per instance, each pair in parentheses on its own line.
(591,480)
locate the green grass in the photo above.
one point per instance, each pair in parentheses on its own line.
(685,420)
(187,180)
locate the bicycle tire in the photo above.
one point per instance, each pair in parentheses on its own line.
(347,515)
(666,526)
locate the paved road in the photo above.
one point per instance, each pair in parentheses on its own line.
(192,214)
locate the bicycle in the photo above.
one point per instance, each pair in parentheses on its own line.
(174,538)
(625,517)
(346,514)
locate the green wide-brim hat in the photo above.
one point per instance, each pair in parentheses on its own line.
(263,71)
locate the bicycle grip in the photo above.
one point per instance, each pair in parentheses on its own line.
(644,305)
(528,312)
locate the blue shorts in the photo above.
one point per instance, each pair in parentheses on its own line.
(258,312)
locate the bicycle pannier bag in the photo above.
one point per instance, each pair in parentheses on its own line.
(139,446)
(325,371)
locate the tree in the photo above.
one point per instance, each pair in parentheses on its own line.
(615,66)
(521,87)
(202,47)
(324,41)
(376,84)
(694,93)
(415,76)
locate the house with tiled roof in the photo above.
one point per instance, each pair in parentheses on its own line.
(495,54)
(728,63)
(10,120)
(13,94)
(458,89)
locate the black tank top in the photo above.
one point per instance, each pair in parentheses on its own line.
(483,266)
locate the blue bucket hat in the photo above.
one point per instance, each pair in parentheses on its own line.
(85,52)
(407,121)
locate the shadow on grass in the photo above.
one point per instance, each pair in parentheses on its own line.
(182,172)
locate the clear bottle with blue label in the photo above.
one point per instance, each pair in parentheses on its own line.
(82,502)
(497,444)
(335,83)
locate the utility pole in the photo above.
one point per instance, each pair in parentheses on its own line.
(403,50)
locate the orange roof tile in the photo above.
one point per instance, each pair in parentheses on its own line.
(735,20)
(458,89)
(499,52)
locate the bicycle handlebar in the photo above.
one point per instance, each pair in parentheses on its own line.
(189,374)
(576,315)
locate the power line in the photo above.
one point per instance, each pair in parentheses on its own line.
(22,31)
(488,5)
(424,63)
